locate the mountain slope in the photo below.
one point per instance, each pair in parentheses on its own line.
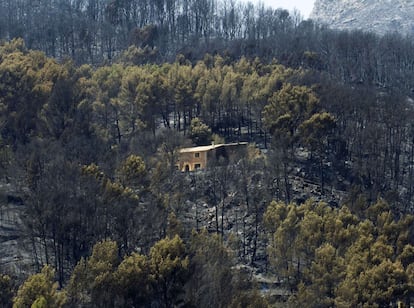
(380,16)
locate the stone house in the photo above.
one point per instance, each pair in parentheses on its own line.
(198,158)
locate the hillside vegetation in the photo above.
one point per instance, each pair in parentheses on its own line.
(316,211)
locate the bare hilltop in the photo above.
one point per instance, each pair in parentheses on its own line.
(379,16)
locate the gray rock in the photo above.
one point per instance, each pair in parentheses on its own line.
(379,16)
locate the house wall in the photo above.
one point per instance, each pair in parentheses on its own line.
(189,161)
(227,153)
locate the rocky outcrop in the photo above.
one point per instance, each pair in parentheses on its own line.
(379,16)
(15,257)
